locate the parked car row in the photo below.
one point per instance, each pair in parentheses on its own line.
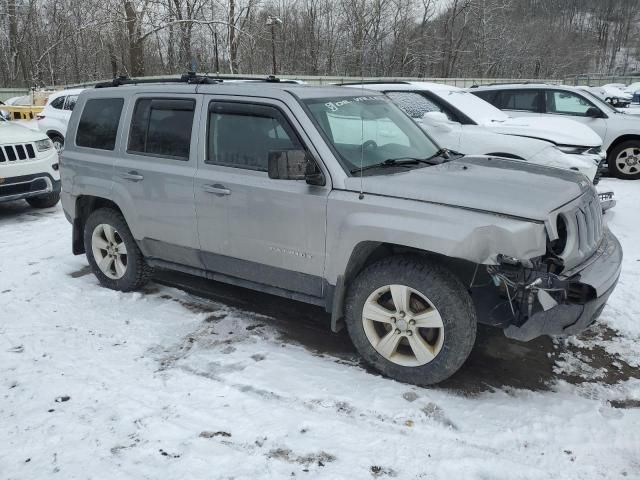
(620,132)
(334,196)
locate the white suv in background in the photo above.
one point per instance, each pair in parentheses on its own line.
(55,116)
(462,122)
(28,166)
(619,131)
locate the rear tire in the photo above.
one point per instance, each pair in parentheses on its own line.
(112,252)
(624,160)
(44,201)
(388,296)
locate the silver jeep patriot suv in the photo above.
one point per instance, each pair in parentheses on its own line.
(334,197)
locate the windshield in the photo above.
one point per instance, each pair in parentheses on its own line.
(473,107)
(369,130)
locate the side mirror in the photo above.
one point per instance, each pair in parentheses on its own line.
(593,112)
(438,120)
(436,117)
(294,165)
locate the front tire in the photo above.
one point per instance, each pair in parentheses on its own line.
(410,319)
(112,252)
(44,201)
(624,160)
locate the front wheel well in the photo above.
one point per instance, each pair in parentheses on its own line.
(368,252)
(621,139)
(85,205)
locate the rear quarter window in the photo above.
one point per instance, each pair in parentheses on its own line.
(99,122)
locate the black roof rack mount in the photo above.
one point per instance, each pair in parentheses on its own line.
(189,78)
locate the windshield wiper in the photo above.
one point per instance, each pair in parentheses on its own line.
(393,162)
(444,153)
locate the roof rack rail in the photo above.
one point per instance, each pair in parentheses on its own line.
(497,84)
(373,82)
(189,78)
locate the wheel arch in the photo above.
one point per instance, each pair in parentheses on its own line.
(85,205)
(621,139)
(368,252)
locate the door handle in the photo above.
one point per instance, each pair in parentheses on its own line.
(216,189)
(132,176)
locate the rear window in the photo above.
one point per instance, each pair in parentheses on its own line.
(162,127)
(99,122)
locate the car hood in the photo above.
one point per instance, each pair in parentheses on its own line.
(561,131)
(11,132)
(488,184)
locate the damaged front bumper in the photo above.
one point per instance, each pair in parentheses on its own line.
(586,291)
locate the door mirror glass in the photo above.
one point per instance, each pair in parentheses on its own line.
(593,112)
(294,165)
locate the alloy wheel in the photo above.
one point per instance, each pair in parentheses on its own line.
(109,251)
(403,325)
(628,161)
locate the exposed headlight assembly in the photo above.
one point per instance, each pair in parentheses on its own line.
(44,145)
(571,149)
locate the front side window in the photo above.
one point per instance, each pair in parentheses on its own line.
(71,102)
(99,122)
(524,100)
(241,135)
(162,127)
(369,130)
(567,103)
(58,103)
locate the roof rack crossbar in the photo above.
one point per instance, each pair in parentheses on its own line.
(189,78)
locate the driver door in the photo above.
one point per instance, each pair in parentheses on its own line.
(250,226)
(573,106)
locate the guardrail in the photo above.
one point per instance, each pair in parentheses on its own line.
(22,112)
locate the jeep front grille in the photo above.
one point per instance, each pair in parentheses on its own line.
(17,152)
(585,228)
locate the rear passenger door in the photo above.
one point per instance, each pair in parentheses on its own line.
(252,227)
(153,177)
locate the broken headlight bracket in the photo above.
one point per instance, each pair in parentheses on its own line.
(522,286)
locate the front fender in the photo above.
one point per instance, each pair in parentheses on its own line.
(451,231)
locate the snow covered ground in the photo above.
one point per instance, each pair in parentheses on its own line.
(166,384)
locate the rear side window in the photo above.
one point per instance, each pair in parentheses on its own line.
(58,103)
(242,135)
(162,127)
(488,96)
(99,122)
(525,100)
